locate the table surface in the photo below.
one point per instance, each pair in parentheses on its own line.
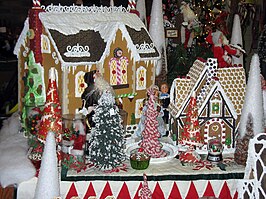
(171,170)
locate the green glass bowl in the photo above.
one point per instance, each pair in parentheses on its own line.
(139,164)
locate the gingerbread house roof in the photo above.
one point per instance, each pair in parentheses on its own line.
(83,37)
(203,78)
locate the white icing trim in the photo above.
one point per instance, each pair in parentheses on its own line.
(83,9)
(145,48)
(22,38)
(77,51)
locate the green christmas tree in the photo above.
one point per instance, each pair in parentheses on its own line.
(106,150)
(34,95)
(34,91)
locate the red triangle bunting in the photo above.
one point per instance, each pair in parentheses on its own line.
(106,191)
(157,193)
(124,193)
(225,192)
(175,193)
(137,193)
(72,192)
(236,195)
(209,190)
(90,192)
(192,192)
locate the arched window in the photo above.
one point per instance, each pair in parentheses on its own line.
(45,44)
(80,84)
(141,78)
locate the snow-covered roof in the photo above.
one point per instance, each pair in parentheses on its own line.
(92,33)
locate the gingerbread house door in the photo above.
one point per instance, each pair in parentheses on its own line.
(214,129)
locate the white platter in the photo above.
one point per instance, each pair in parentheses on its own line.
(171,151)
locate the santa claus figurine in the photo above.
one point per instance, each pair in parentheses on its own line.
(221,49)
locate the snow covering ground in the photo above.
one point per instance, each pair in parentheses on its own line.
(15,167)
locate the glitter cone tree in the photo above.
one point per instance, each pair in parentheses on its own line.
(52,116)
(190,135)
(106,150)
(150,136)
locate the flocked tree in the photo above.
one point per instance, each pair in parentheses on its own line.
(48,185)
(253,100)
(106,150)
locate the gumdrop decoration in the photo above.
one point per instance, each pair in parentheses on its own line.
(52,113)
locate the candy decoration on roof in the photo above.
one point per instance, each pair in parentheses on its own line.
(48,185)
(191,131)
(132,4)
(52,113)
(145,192)
(36,3)
(150,136)
(35,30)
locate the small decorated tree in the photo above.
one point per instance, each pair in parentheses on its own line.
(150,136)
(241,152)
(106,150)
(190,134)
(52,112)
(34,95)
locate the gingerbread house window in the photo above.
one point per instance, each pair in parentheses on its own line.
(80,84)
(118,69)
(138,108)
(45,44)
(141,78)
(215,107)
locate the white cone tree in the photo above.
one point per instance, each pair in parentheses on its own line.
(48,186)
(141,8)
(156,30)
(253,103)
(237,39)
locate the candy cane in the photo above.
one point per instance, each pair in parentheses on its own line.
(132,4)
(36,3)
(118,72)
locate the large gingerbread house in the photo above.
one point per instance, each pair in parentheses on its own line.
(78,39)
(220,96)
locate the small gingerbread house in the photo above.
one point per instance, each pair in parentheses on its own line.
(78,39)
(220,96)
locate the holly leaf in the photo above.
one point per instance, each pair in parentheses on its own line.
(34,71)
(31,82)
(221,166)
